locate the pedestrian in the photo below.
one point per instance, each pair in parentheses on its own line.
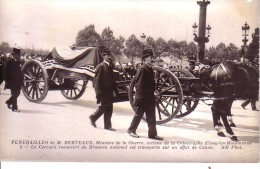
(13,78)
(250,57)
(1,69)
(144,97)
(253,104)
(105,85)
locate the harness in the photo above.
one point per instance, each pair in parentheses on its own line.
(221,65)
(224,69)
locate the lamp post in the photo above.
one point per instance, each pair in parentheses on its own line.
(245,33)
(201,38)
(143,42)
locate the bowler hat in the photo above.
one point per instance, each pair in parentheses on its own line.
(147,53)
(16,51)
(104,50)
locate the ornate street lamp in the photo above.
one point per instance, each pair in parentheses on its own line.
(195,26)
(143,42)
(201,38)
(208,29)
(245,33)
(143,39)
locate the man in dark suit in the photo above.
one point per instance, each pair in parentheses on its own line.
(105,85)
(144,97)
(250,57)
(13,79)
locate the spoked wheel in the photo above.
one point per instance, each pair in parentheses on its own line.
(168,95)
(35,84)
(189,104)
(78,88)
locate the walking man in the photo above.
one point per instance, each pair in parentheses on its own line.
(144,98)
(13,79)
(105,85)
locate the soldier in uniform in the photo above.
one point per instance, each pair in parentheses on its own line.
(252,53)
(13,79)
(144,97)
(191,67)
(104,84)
(250,58)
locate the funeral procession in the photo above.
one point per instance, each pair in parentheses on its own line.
(138,97)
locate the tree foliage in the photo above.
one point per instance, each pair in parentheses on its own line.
(5,47)
(88,37)
(132,46)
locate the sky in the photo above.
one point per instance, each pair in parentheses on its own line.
(44,24)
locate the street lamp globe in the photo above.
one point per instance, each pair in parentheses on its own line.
(208,29)
(195,26)
(143,38)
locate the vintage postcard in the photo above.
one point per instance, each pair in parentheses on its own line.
(52,109)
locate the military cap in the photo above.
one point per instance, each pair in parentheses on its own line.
(192,62)
(147,53)
(16,51)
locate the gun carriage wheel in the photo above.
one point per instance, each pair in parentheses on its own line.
(168,94)
(77,89)
(35,85)
(189,103)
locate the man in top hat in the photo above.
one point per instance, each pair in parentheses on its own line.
(144,97)
(13,78)
(105,85)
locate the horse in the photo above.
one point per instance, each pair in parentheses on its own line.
(229,81)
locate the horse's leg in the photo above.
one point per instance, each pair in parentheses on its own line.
(216,118)
(229,115)
(228,128)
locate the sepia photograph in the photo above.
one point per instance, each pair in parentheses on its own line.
(169,82)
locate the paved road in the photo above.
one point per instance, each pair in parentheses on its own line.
(58,129)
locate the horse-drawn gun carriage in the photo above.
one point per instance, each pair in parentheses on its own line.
(177,92)
(69,70)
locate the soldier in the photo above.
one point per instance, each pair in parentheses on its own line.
(250,57)
(104,83)
(13,78)
(252,52)
(144,97)
(191,66)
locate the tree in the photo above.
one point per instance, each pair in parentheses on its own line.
(108,38)
(233,52)
(160,46)
(88,37)
(5,47)
(118,46)
(192,48)
(133,47)
(150,42)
